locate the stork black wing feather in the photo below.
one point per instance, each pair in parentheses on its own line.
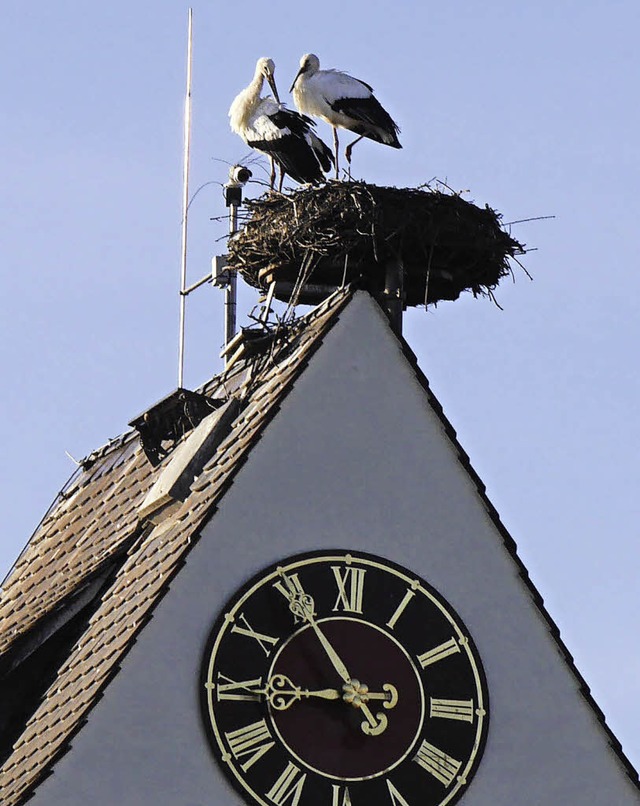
(294,155)
(371,113)
(288,119)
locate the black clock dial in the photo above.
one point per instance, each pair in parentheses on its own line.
(341,679)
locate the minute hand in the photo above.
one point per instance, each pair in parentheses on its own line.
(302,606)
(336,660)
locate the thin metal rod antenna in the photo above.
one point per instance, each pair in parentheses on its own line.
(185,202)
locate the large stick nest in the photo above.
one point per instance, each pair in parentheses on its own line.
(346,232)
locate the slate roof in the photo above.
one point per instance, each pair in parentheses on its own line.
(93,532)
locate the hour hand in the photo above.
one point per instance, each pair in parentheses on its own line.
(281,692)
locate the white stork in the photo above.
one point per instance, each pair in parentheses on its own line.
(342,101)
(287,137)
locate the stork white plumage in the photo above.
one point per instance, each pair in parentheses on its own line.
(342,101)
(287,137)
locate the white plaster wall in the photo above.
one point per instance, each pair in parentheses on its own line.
(355,458)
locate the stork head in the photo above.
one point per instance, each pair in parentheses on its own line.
(265,68)
(309,65)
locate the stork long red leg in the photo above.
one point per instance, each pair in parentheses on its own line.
(347,151)
(272,178)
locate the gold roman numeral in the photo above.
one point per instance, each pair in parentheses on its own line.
(253,741)
(439,764)
(439,652)
(350,582)
(242,690)
(401,608)
(341,797)
(289,586)
(288,787)
(452,709)
(248,630)
(396,797)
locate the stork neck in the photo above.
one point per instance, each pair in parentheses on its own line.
(244,106)
(256,85)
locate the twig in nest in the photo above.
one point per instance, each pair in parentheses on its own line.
(513,257)
(524,220)
(494,300)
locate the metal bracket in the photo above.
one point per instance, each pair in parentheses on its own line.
(220,273)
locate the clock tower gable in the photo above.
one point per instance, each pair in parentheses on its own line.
(356,459)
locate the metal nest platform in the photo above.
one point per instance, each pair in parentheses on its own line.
(316,239)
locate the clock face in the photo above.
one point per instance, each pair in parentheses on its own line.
(341,679)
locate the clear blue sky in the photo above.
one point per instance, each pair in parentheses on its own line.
(532,107)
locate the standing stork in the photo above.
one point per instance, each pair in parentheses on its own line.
(287,137)
(342,101)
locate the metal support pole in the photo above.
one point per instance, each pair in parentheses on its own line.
(394,293)
(230,308)
(230,292)
(233,199)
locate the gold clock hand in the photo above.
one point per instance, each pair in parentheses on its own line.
(281,692)
(374,725)
(323,693)
(335,659)
(302,606)
(358,694)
